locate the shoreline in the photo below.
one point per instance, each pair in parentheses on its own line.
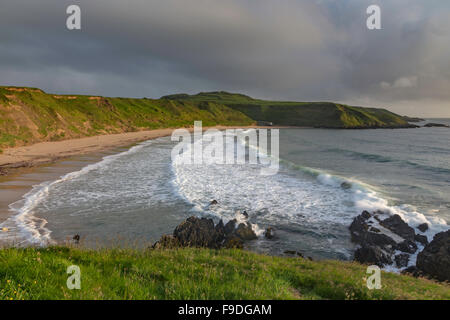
(16,158)
(23,167)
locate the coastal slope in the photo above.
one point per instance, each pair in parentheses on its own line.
(189,273)
(29,115)
(302,114)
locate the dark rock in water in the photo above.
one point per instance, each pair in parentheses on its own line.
(407,246)
(396,224)
(195,232)
(421,239)
(269,234)
(413,271)
(290,252)
(230,226)
(245,214)
(167,242)
(346,185)
(401,260)
(76,238)
(214,202)
(366,215)
(245,232)
(201,232)
(361,234)
(372,255)
(432,124)
(434,260)
(423,227)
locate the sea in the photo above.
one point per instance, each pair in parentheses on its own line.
(325,179)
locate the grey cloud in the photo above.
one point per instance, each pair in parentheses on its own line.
(296,50)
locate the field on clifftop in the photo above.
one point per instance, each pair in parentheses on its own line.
(29,115)
(195,274)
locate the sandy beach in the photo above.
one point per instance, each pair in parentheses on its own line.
(23,167)
(44,152)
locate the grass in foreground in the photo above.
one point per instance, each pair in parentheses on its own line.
(194,274)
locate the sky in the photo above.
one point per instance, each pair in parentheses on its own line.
(297,50)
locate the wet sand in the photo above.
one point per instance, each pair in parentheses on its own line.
(14,186)
(44,152)
(25,167)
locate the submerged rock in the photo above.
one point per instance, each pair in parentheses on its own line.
(346,185)
(434,260)
(269,234)
(423,227)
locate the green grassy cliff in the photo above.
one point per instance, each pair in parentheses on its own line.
(309,114)
(29,115)
(195,274)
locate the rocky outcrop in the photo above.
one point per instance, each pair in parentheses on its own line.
(372,255)
(396,224)
(195,232)
(362,233)
(384,239)
(380,236)
(434,260)
(201,232)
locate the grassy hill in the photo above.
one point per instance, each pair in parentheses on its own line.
(195,274)
(29,115)
(309,114)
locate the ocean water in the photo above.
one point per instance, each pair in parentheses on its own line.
(326,178)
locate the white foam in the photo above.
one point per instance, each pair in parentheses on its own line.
(24,227)
(320,199)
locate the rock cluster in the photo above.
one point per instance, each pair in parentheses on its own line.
(434,260)
(385,239)
(201,232)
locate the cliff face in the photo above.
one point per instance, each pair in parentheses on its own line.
(29,115)
(310,114)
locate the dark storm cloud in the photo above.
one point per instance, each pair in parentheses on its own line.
(297,50)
